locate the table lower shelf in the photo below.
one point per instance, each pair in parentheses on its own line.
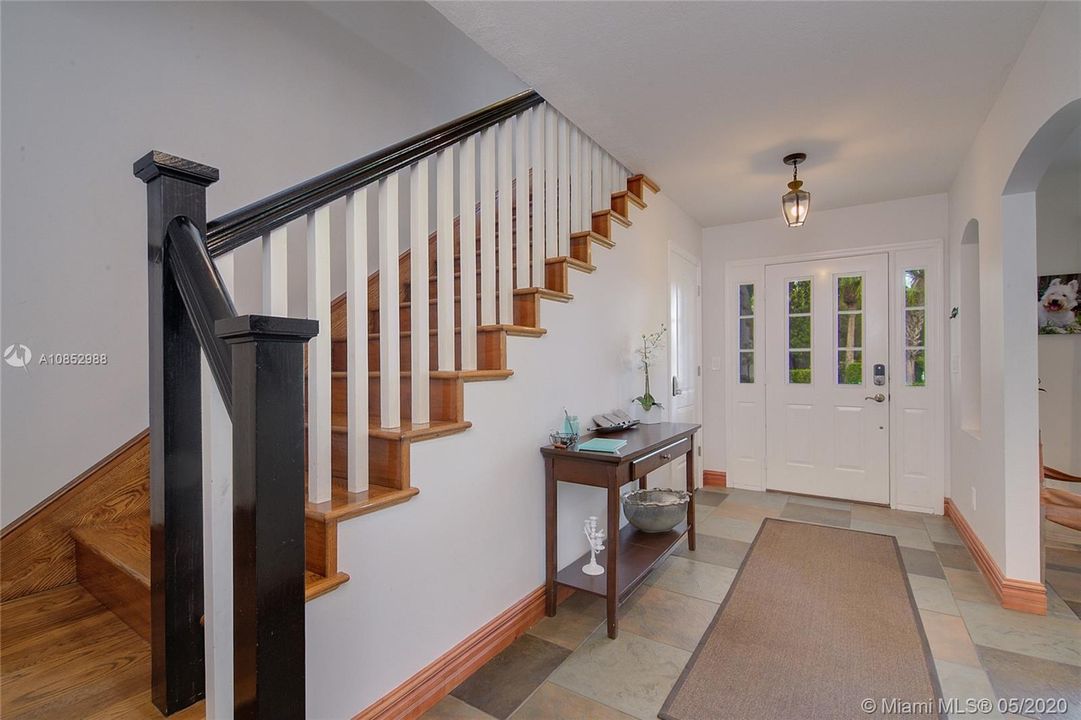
(639,552)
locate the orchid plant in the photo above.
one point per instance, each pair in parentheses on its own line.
(646,354)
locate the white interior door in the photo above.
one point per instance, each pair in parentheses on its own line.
(827,348)
(685,380)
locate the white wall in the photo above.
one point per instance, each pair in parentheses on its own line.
(862,226)
(472,542)
(269,93)
(993,480)
(1058,251)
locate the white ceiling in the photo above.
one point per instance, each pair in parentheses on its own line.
(884,97)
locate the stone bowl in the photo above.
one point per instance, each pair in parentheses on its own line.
(656,511)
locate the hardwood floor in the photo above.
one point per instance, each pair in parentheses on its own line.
(64,655)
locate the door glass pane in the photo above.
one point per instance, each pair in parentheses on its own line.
(799,332)
(914,287)
(915,368)
(849,367)
(746,333)
(799,367)
(914,328)
(799,296)
(746,367)
(850,293)
(746,300)
(850,331)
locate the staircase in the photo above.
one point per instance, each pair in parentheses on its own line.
(543,209)
(113,560)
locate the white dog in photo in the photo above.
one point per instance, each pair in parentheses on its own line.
(1056,307)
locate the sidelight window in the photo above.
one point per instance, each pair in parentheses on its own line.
(915,327)
(746,333)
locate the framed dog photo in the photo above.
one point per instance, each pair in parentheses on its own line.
(1059,304)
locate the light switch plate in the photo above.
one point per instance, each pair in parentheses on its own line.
(714,363)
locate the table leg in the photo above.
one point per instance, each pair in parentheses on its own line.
(612,564)
(690,506)
(549,537)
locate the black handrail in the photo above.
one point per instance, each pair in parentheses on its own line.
(232,230)
(205,298)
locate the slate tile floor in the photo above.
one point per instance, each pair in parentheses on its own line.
(566,668)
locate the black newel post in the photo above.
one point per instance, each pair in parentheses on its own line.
(174,187)
(268,513)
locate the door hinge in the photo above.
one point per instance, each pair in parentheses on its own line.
(699,291)
(699,451)
(699,371)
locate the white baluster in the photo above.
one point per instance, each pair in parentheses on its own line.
(506,249)
(418,292)
(444,260)
(551,215)
(613,181)
(576,181)
(356,312)
(598,180)
(563,238)
(389,330)
(275,273)
(217,433)
(606,181)
(467,248)
(521,199)
(537,156)
(487,227)
(586,183)
(319,351)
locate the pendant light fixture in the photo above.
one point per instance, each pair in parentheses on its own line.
(795,203)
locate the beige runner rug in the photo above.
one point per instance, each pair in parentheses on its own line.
(818,620)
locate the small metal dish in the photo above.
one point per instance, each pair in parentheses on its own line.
(656,511)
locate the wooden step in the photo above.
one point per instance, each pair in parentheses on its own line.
(526,308)
(113,564)
(491,347)
(638,184)
(603,219)
(548,263)
(582,245)
(623,200)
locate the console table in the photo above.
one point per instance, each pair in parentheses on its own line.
(629,554)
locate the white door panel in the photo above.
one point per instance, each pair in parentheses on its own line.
(826,327)
(684,355)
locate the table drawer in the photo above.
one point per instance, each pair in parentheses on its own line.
(659,457)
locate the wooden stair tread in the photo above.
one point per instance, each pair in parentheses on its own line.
(593,236)
(634,199)
(406,430)
(571,261)
(465,375)
(645,181)
(126,545)
(621,219)
(344,504)
(544,293)
(515,330)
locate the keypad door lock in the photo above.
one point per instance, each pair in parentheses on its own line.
(878,375)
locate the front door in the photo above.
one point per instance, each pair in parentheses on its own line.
(684,303)
(827,379)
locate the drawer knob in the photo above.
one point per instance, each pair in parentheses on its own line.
(666,456)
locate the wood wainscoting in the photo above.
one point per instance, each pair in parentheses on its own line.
(419,693)
(1022,595)
(37,551)
(714,478)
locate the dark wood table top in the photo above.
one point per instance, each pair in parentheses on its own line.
(641,440)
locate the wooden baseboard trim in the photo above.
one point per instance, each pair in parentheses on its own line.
(419,693)
(1022,595)
(714,478)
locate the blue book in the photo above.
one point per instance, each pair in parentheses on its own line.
(608,445)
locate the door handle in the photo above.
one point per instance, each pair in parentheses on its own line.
(675,386)
(878,397)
